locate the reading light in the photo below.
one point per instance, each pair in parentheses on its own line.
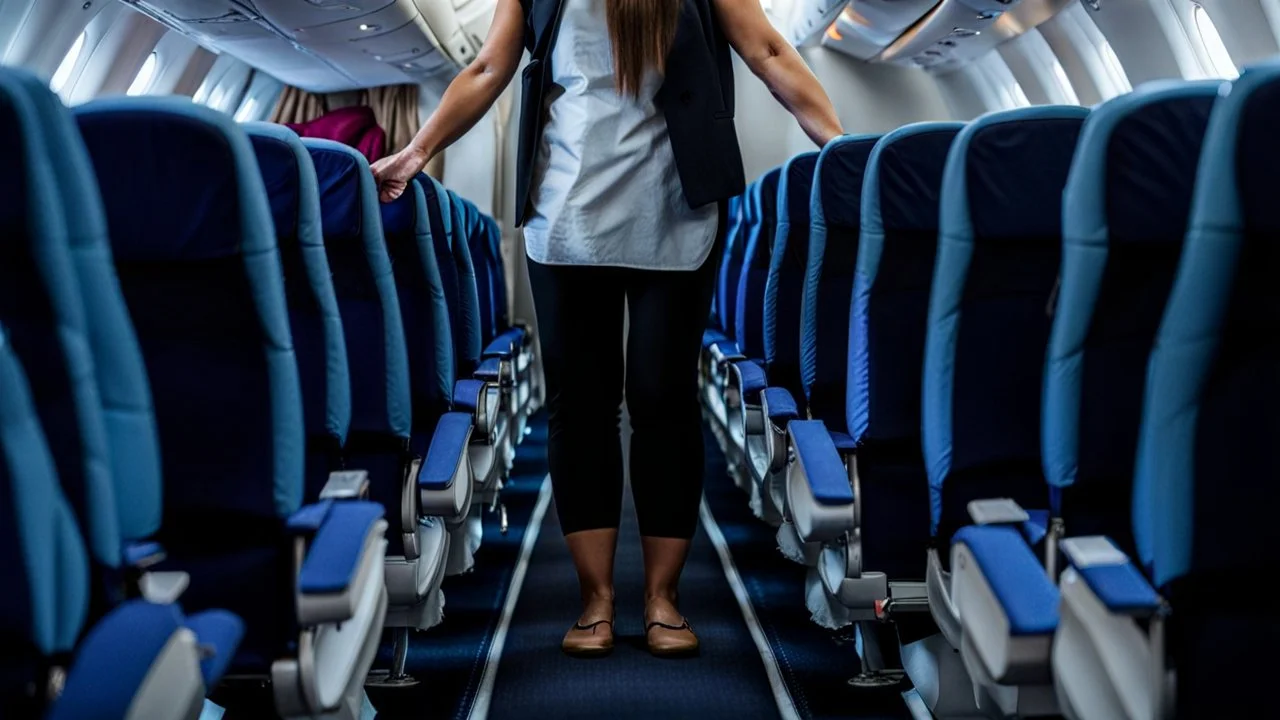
(369,28)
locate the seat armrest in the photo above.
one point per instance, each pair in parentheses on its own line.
(444,478)
(474,397)
(346,485)
(724,352)
(143,554)
(779,406)
(335,545)
(505,345)
(1033,524)
(1008,605)
(1109,574)
(819,495)
(154,586)
(751,378)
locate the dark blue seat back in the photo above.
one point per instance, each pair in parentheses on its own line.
(1208,471)
(990,309)
(485,267)
(471,317)
(377,358)
(1125,212)
(43,563)
(314,321)
(835,209)
(730,266)
(423,308)
(123,390)
(884,340)
(785,281)
(762,222)
(196,256)
(40,303)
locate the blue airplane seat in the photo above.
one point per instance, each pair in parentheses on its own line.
(122,387)
(41,305)
(718,344)
(990,310)
(1125,213)
(875,262)
(315,323)
(1205,485)
(141,658)
(749,313)
(195,252)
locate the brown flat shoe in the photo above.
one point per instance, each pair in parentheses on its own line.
(584,641)
(670,640)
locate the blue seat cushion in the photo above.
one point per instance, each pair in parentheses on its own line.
(1016,577)
(218,633)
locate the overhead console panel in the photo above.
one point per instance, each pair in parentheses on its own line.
(334,45)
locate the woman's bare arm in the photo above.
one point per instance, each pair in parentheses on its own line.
(466,100)
(777,63)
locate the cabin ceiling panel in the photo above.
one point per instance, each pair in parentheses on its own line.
(317,45)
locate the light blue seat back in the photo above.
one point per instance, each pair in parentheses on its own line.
(423,309)
(440,218)
(762,217)
(314,320)
(785,282)
(990,309)
(123,390)
(835,210)
(40,303)
(1208,474)
(1125,212)
(43,562)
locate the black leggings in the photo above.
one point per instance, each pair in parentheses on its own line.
(580,313)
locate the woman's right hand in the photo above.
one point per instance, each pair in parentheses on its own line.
(393,173)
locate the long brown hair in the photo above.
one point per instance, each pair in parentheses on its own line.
(641,33)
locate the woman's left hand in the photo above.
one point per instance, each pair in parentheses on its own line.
(394,172)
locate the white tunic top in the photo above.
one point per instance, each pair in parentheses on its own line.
(605,187)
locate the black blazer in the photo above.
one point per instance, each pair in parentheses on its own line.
(696,98)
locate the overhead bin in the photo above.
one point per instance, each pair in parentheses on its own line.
(862,28)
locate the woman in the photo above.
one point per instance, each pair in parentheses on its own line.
(627,156)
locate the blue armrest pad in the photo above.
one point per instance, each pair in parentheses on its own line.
(448,448)
(334,554)
(1112,577)
(844,442)
(1016,577)
(308,518)
(823,467)
(753,377)
(505,345)
(114,660)
(782,407)
(138,554)
(468,394)
(488,369)
(712,336)
(218,632)
(1036,526)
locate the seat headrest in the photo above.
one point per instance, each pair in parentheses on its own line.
(839,175)
(903,186)
(26,180)
(291,184)
(989,197)
(349,204)
(794,188)
(1135,165)
(154,210)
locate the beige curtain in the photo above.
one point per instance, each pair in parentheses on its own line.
(298,106)
(396,109)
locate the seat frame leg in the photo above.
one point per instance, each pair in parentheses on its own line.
(396,676)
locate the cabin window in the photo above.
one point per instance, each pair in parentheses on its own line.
(63,73)
(1220,60)
(142,83)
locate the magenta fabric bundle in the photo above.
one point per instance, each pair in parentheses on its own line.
(354,126)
